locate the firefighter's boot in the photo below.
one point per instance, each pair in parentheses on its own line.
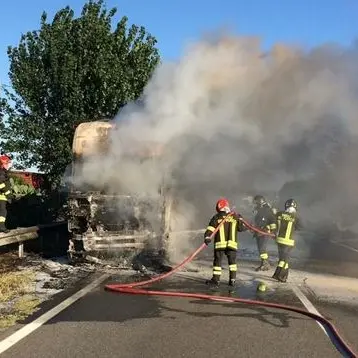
(265,266)
(232,284)
(277,273)
(214,281)
(283,275)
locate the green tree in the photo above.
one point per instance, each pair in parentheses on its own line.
(70,71)
(2,108)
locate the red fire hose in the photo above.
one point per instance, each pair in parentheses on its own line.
(259,231)
(129,288)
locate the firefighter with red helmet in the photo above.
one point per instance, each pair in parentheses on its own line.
(225,240)
(5,190)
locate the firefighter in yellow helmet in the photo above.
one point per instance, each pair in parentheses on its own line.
(5,190)
(287,222)
(225,241)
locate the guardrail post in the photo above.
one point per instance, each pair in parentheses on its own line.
(20,235)
(21,249)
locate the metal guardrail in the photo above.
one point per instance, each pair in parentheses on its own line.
(24,234)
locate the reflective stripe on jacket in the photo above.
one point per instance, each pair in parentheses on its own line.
(287,223)
(265,219)
(226,237)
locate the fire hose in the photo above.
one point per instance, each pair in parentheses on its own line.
(133,288)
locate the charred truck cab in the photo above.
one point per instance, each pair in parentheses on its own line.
(104,225)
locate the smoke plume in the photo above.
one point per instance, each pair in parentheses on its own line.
(234,121)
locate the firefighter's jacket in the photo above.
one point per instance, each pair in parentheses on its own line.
(287,223)
(265,219)
(5,188)
(226,236)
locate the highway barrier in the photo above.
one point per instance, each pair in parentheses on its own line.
(21,235)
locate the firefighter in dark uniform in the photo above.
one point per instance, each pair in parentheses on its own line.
(287,222)
(225,241)
(265,219)
(5,192)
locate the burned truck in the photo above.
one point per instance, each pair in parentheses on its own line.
(106,225)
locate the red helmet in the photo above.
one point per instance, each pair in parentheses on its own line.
(5,161)
(221,204)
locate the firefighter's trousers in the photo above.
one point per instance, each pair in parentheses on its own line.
(3,213)
(282,269)
(217,264)
(262,241)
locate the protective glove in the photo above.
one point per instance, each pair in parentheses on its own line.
(207,241)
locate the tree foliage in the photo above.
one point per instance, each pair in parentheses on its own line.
(2,107)
(69,71)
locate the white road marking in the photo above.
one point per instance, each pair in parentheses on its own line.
(344,245)
(307,303)
(31,327)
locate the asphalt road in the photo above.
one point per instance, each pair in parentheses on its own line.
(106,324)
(345,318)
(320,256)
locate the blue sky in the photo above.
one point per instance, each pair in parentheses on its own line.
(174,22)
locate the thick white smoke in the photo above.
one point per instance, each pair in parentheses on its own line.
(234,121)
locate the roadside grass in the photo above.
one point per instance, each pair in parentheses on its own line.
(13,284)
(16,298)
